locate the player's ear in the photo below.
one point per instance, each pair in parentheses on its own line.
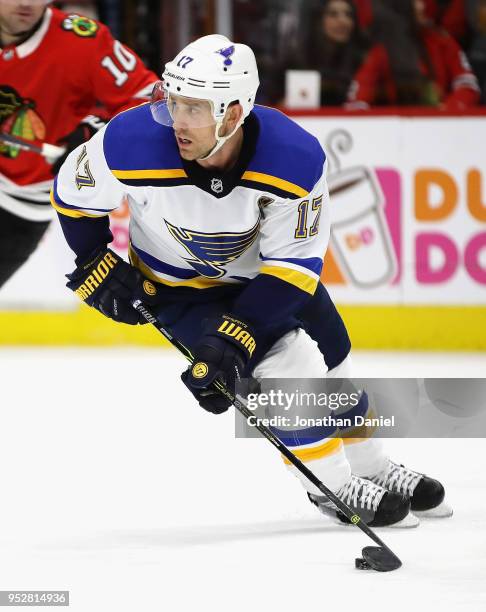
(233,115)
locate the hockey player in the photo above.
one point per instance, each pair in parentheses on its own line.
(229,222)
(54,69)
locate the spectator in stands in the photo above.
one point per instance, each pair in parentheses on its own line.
(465,20)
(364,12)
(366,9)
(413,63)
(336,49)
(453,19)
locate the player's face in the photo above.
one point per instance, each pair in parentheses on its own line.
(19,16)
(337,21)
(194,126)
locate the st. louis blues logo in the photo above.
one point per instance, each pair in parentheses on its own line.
(211,252)
(227,52)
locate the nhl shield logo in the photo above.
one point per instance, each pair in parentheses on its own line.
(216,185)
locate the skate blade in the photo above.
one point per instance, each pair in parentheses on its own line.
(409,522)
(443,510)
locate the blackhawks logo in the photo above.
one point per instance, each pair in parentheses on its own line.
(18,118)
(82,26)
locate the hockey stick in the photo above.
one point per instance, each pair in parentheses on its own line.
(380,558)
(49,151)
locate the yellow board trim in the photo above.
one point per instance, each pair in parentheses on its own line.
(449,328)
(84,326)
(298,279)
(430,328)
(149,174)
(268,179)
(75,214)
(330,447)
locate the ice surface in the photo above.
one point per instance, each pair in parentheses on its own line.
(116,486)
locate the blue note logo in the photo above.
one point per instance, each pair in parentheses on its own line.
(227,52)
(210,252)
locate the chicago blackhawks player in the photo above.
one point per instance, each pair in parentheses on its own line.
(54,70)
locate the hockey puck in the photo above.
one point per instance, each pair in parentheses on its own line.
(361,564)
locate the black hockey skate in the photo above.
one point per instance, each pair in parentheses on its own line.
(426,494)
(374,504)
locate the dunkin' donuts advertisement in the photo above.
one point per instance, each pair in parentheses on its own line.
(408,209)
(365,213)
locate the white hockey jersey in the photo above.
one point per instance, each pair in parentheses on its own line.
(187,231)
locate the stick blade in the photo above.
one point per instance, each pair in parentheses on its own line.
(380,559)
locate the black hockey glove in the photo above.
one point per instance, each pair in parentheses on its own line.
(82,133)
(108,283)
(222,353)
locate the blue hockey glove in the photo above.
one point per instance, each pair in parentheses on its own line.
(108,283)
(222,354)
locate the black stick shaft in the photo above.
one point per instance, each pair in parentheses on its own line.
(266,432)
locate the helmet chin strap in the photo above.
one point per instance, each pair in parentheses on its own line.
(220,140)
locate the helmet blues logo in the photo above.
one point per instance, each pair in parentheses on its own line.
(227,52)
(211,252)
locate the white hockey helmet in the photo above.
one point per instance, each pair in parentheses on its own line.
(211,68)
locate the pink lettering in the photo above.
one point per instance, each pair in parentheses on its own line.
(427,273)
(471,258)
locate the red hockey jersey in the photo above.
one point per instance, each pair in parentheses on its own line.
(48,84)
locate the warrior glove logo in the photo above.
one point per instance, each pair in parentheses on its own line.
(149,288)
(239,332)
(211,252)
(96,276)
(199,369)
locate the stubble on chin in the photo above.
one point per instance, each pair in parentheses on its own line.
(187,156)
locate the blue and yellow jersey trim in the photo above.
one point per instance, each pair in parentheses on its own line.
(273,184)
(152,177)
(173,177)
(302,273)
(298,279)
(73,211)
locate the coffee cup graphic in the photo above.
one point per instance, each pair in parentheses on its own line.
(360,237)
